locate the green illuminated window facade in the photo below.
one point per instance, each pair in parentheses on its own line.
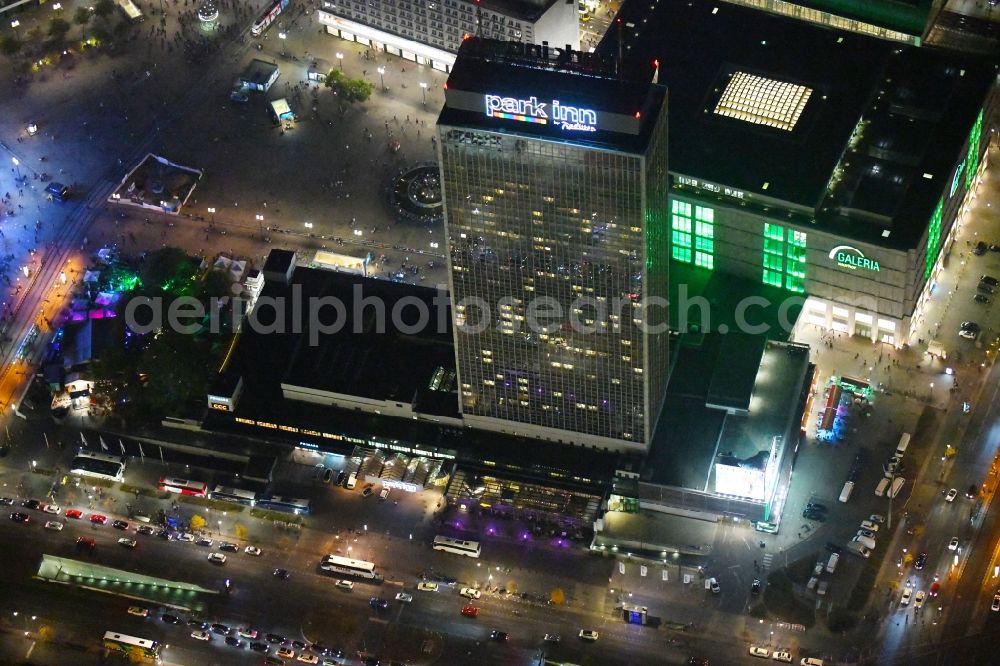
(972,161)
(784,258)
(933,239)
(692,233)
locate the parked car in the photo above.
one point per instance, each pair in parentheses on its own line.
(996,601)
(283,574)
(138,611)
(170,619)
(185,537)
(53,525)
(588,635)
(907,593)
(763,653)
(918,600)
(470,611)
(98,519)
(73,513)
(19,517)
(201,635)
(52,508)
(230,547)
(32,504)
(233,641)
(252,550)
(404,597)
(499,636)
(378,603)
(127,543)
(470,592)
(952,494)
(953,544)
(146,530)
(205,541)
(920,561)
(346,585)
(427,586)
(217,558)
(120,525)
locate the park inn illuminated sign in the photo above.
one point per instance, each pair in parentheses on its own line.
(853,258)
(530,110)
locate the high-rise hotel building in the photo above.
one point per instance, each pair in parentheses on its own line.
(554,172)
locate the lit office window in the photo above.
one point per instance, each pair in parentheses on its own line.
(784,258)
(933,239)
(692,226)
(972,161)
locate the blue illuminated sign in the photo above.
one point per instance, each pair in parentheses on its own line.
(569,118)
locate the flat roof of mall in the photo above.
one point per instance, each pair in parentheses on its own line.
(768,105)
(690,436)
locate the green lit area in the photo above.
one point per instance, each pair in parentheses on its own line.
(784,258)
(933,239)
(692,233)
(972,161)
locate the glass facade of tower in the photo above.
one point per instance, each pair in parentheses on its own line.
(538,226)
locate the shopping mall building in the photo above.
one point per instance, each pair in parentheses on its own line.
(429,33)
(830,164)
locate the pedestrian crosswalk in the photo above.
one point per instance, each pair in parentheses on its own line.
(766,561)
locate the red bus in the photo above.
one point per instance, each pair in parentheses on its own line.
(184,487)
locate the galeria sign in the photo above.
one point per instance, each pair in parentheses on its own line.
(853,258)
(530,110)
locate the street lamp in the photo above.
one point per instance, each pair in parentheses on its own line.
(56,7)
(423,90)
(381,76)
(260,224)
(211,211)
(14,24)
(282,36)
(17,166)
(340,57)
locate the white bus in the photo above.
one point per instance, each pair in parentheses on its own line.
(286,504)
(183,486)
(904,442)
(246,497)
(345,566)
(457,546)
(134,649)
(98,465)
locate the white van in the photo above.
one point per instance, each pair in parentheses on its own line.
(880,488)
(904,442)
(352,481)
(859,549)
(821,590)
(831,564)
(811,661)
(897,485)
(845,493)
(867,542)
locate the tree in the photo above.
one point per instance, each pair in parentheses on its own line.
(557,596)
(348,89)
(198,523)
(241,531)
(58,28)
(103,8)
(216,284)
(82,17)
(166,269)
(9,45)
